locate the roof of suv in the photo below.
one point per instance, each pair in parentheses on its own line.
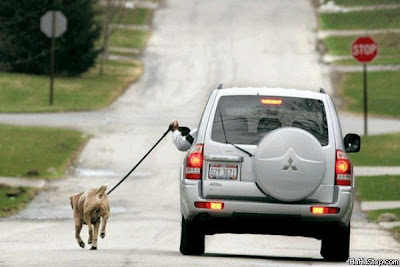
(271,91)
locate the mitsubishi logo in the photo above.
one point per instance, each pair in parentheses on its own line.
(290,165)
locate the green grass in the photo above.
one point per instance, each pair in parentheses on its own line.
(10,205)
(90,91)
(30,93)
(129,38)
(49,151)
(134,16)
(374,214)
(123,53)
(378,150)
(378,188)
(375,19)
(389,44)
(118,64)
(383,92)
(365,2)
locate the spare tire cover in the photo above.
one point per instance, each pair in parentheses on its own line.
(289,164)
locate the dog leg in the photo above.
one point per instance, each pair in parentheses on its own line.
(90,227)
(78,228)
(95,234)
(103,225)
(90,236)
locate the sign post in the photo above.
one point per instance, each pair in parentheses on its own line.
(53,24)
(364,49)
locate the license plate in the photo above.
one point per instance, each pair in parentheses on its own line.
(223,171)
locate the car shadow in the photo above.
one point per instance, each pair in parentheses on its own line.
(154,252)
(278,258)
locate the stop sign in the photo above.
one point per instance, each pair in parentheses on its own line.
(364,49)
(59,23)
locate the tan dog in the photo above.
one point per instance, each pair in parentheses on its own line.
(88,208)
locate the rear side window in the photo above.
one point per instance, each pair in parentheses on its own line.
(246,119)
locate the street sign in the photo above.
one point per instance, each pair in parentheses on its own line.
(53,23)
(53,18)
(364,49)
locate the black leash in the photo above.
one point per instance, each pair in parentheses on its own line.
(126,176)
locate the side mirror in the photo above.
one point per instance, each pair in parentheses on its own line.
(352,143)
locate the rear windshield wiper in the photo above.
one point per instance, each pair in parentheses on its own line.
(226,141)
(241,149)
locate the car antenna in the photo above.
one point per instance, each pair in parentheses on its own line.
(220,86)
(226,141)
(322,91)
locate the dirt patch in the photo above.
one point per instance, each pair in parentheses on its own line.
(14,199)
(316,4)
(337,79)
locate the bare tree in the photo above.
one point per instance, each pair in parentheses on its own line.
(114,11)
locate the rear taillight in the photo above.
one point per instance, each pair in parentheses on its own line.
(209,205)
(324,210)
(194,162)
(343,169)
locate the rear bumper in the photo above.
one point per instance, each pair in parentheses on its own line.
(239,216)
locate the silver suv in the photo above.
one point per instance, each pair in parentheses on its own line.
(269,161)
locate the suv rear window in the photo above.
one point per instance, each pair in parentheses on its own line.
(247,118)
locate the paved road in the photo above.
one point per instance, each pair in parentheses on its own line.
(195,45)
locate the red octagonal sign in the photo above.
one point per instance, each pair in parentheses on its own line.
(364,49)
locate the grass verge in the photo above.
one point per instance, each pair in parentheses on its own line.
(30,93)
(389,44)
(13,199)
(373,215)
(124,54)
(134,16)
(374,19)
(90,91)
(46,151)
(378,188)
(383,93)
(378,150)
(365,2)
(129,38)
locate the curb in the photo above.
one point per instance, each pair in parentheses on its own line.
(376,170)
(389,225)
(15,181)
(321,34)
(379,205)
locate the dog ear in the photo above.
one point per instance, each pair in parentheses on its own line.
(72,205)
(73,199)
(102,189)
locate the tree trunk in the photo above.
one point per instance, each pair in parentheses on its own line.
(106,36)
